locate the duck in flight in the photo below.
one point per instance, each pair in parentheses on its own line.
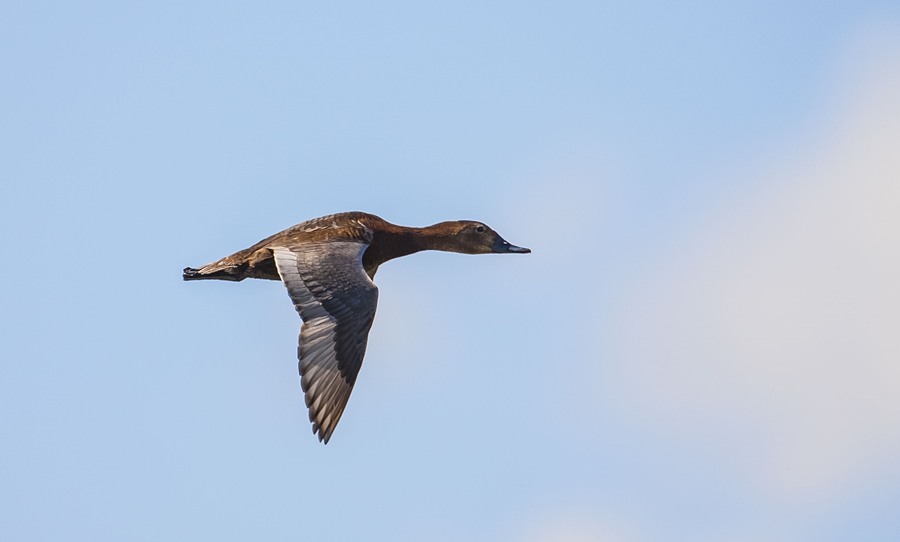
(327,265)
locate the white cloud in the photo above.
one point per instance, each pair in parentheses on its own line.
(778,333)
(575,527)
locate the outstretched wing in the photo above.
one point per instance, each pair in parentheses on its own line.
(336,300)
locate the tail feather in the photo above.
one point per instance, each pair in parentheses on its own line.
(215,271)
(190,273)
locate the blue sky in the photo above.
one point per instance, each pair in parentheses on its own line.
(702,345)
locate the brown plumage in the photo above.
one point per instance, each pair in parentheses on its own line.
(327,265)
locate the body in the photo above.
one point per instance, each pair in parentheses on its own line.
(385,241)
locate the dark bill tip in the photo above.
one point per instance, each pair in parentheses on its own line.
(518,250)
(501,246)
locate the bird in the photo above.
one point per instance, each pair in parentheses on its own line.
(328,265)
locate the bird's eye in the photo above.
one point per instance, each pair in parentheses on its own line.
(479,229)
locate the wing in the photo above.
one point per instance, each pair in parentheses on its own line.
(336,300)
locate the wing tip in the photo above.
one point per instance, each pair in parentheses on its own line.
(324,436)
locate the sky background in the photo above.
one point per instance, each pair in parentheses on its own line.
(703,345)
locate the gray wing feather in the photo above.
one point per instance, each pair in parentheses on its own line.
(336,300)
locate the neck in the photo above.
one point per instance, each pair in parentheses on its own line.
(406,241)
(397,241)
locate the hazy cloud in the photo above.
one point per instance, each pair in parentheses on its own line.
(576,527)
(777,333)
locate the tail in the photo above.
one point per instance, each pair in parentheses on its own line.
(216,271)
